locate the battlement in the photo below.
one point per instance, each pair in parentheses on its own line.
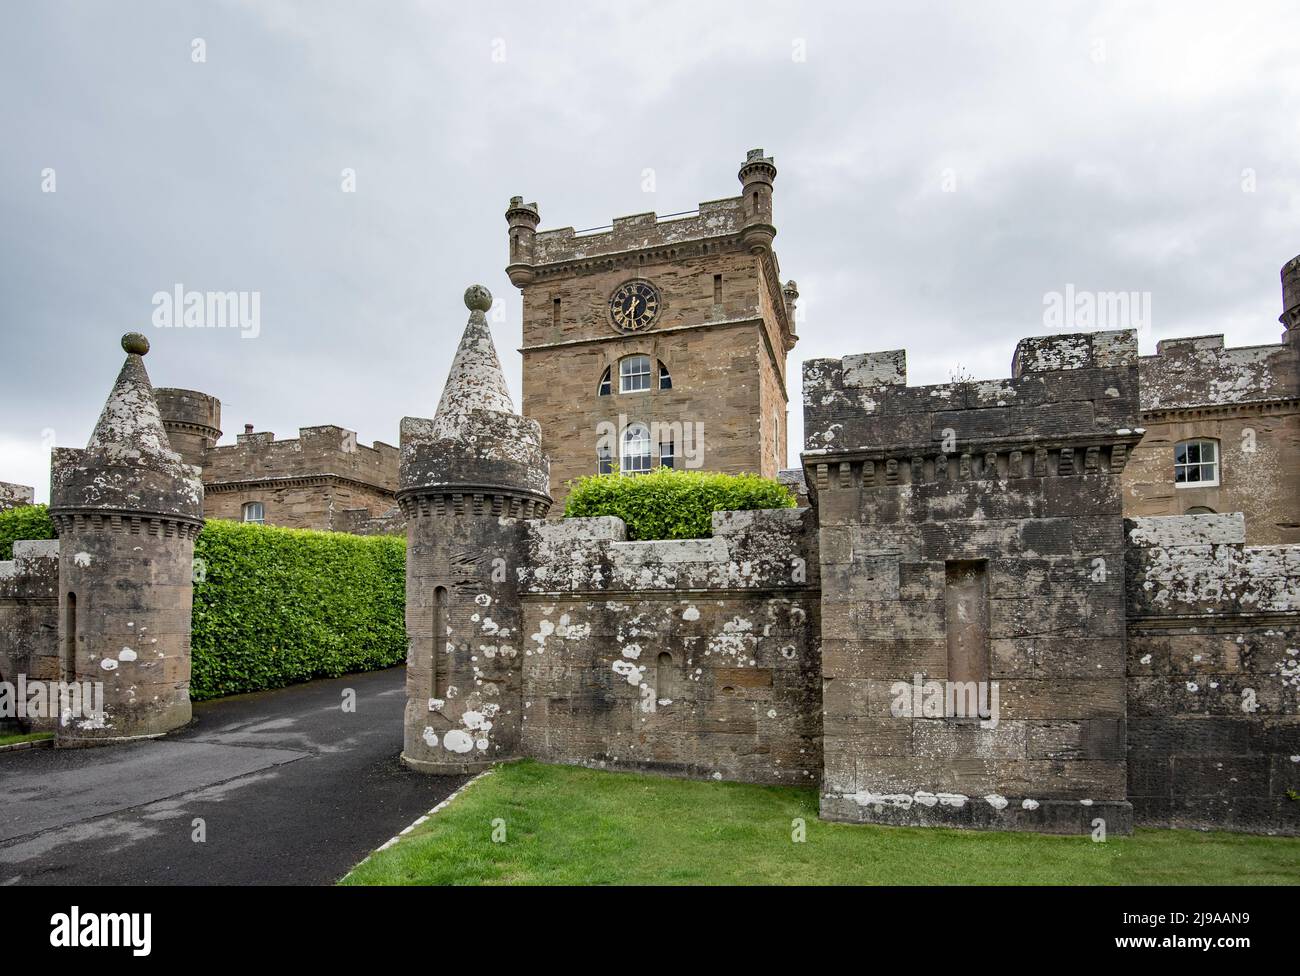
(1065,390)
(715,218)
(189,407)
(766,549)
(742,222)
(15,496)
(1200,371)
(326,450)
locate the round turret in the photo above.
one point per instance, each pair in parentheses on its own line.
(756,177)
(523,219)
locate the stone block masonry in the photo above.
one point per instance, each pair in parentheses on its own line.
(692,657)
(972,562)
(29,623)
(1213,676)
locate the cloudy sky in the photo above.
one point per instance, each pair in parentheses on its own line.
(943,168)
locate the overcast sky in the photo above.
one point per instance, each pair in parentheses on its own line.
(942,169)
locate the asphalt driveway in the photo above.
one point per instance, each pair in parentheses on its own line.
(287,788)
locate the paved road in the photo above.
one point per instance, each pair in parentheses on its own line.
(292,790)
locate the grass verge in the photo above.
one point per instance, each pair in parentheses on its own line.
(10,740)
(568,825)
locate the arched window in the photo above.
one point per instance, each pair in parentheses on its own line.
(665,378)
(1199,510)
(1196,464)
(253,512)
(604,388)
(634,374)
(636,450)
(604,460)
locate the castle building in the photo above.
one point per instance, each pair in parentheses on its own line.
(1064,600)
(657,341)
(322,479)
(1222,429)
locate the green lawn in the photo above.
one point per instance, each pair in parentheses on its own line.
(566,825)
(8,740)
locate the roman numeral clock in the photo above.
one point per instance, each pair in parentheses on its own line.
(634,306)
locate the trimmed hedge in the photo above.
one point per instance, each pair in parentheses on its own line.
(275,606)
(672,504)
(24,522)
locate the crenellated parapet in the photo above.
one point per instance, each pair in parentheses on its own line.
(971,542)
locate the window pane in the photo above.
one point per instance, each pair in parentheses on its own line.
(1180,454)
(634,374)
(636,449)
(1207,451)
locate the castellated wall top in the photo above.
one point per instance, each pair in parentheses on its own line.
(1062,387)
(327,449)
(751,550)
(1200,371)
(714,218)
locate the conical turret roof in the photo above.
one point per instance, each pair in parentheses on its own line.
(130,418)
(476,381)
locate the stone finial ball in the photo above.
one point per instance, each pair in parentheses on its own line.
(136,343)
(478,298)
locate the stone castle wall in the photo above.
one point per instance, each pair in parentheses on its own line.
(1246,399)
(693,657)
(311,481)
(1213,676)
(971,532)
(29,621)
(15,496)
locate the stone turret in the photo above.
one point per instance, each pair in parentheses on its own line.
(756,175)
(192,421)
(127,509)
(1290,317)
(523,219)
(469,478)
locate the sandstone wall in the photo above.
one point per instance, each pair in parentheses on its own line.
(692,657)
(971,532)
(29,620)
(1248,401)
(306,482)
(1213,676)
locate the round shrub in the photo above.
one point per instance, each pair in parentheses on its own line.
(672,504)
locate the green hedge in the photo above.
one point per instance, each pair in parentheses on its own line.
(672,504)
(25,522)
(275,606)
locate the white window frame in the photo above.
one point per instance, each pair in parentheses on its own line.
(639,462)
(604,460)
(632,378)
(1199,466)
(249,507)
(605,388)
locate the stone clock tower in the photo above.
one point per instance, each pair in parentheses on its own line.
(657,340)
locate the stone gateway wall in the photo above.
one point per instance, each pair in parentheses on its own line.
(1213,676)
(694,657)
(971,541)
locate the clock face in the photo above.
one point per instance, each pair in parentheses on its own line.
(634,306)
